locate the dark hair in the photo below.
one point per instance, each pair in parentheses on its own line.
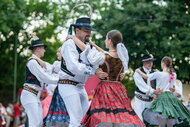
(115,36)
(168,62)
(75,28)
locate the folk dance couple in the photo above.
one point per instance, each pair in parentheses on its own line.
(155,100)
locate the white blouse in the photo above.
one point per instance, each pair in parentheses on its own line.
(52,69)
(162,80)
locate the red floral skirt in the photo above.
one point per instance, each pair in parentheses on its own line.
(111,107)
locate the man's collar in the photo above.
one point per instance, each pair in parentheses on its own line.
(146,70)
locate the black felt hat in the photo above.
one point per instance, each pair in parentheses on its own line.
(148,58)
(36,43)
(84,22)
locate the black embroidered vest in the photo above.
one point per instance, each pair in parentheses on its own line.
(152,83)
(63,64)
(30,78)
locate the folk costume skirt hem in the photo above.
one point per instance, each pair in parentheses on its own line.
(111,107)
(166,106)
(57,115)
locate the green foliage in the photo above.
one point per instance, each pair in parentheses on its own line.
(130,86)
(16,17)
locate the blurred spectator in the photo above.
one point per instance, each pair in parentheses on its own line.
(3,113)
(22,115)
(10,113)
(16,114)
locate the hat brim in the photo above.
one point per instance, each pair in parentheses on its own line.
(149,60)
(39,45)
(84,26)
(91,29)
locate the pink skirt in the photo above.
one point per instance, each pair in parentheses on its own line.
(45,105)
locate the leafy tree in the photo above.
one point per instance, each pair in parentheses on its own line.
(20,20)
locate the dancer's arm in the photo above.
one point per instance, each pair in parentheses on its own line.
(101,74)
(93,56)
(40,61)
(141,73)
(71,57)
(179,89)
(97,47)
(78,42)
(81,45)
(40,73)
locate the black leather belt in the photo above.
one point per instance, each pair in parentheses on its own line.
(67,81)
(143,99)
(27,88)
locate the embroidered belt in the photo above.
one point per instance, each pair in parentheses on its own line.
(143,99)
(67,81)
(110,81)
(27,88)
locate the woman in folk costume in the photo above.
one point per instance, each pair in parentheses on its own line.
(110,106)
(54,110)
(166,109)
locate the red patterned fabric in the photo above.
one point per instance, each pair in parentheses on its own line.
(111,104)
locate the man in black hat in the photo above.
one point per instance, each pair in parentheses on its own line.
(75,71)
(35,77)
(144,91)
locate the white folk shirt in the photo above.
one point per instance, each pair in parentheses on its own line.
(40,74)
(52,69)
(81,70)
(141,84)
(162,80)
(179,89)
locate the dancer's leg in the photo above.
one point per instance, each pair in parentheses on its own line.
(162,121)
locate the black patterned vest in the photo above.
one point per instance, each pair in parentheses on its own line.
(152,83)
(30,78)
(63,64)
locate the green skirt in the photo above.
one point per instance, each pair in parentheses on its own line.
(166,106)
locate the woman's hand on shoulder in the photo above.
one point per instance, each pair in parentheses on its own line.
(138,70)
(101,74)
(34,57)
(122,76)
(70,37)
(172,89)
